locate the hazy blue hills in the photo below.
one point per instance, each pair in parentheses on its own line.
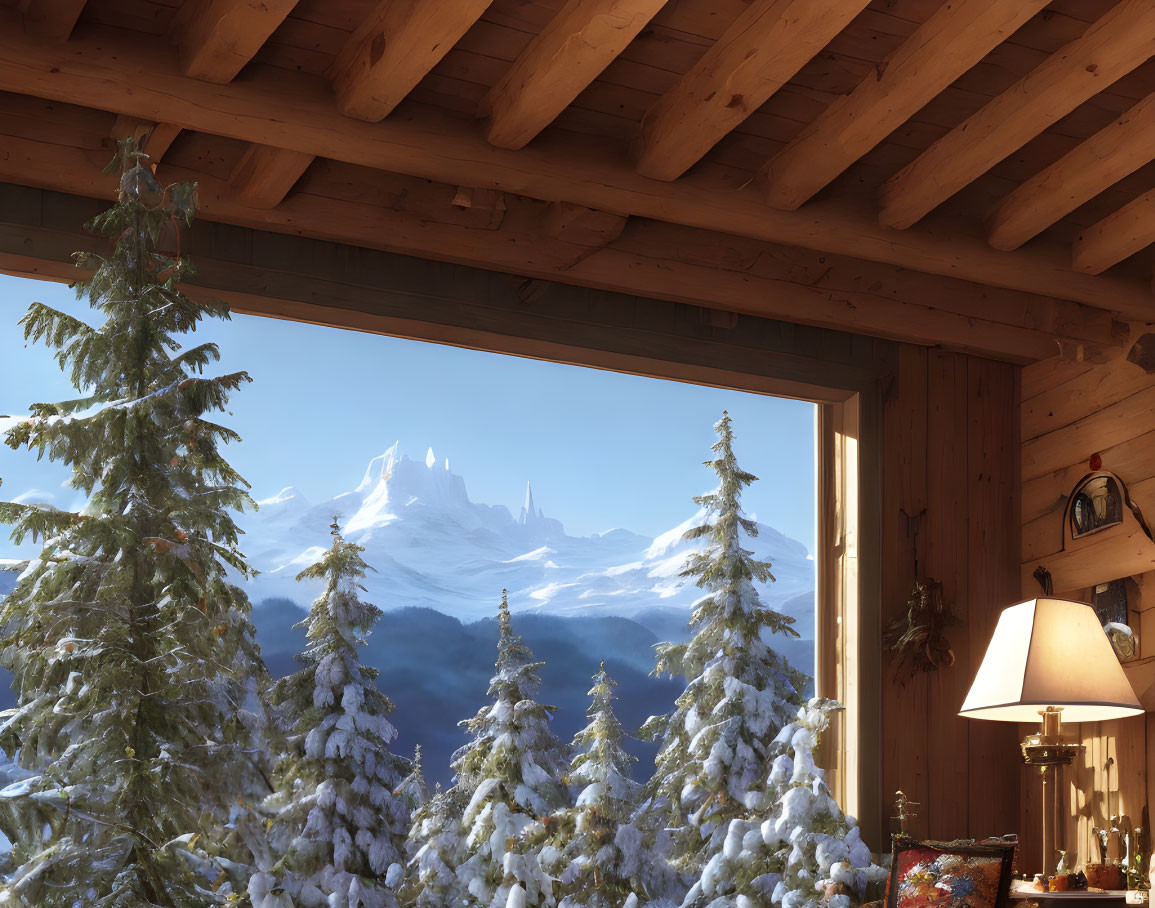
(436,669)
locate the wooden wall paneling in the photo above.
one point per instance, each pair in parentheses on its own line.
(1110,425)
(946,553)
(1037,378)
(905,712)
(992,579)
(1067,402)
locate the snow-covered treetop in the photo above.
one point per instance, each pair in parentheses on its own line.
(731,617)
(339,620)
(414,790)
(601,766)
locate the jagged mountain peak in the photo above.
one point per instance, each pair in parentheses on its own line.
(433,547)
(530,514)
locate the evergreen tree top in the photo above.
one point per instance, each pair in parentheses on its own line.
(339,620)
(512,653)
(599,755)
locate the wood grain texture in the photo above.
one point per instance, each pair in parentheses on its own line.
(1107,427)
(52,20)
(1116,237)
(216,38)
(327,283)
(993,582)
(574,48)
(285,110)
(520,246)
(906,758)
(264,175)
(584,226)
(1080,175)
(1120,41)
(394,48)
(946,560)
(943,48)
(764,48)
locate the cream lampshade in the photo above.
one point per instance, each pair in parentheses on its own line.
(1050,653)
(1049,658)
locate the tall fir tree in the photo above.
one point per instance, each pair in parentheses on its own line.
(797,849)
(338,827)
(715,746)
(132,651)
(512,770)
(596,853)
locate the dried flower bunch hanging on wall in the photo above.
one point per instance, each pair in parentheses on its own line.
(917,638)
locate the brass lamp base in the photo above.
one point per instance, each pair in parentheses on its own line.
(1047,749)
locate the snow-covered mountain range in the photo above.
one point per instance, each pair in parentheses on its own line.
(433,547)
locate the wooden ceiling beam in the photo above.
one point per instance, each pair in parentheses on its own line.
(571,51)
(154,139)
(393,50)
(216,38)
(946,46)
(520,246)
(105,70)
(1116,237)
(580,225)
(757,55)
(52,20)
(263,176)
(1118,42)
(1089,168)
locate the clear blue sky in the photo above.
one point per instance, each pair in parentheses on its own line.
(602,450)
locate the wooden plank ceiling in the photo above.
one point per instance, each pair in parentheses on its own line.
(975,174)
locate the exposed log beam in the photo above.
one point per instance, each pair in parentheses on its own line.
(1091,167)
(1117,43)
(757,55)
(943,48)
(519,247)
(105,70)
(259,272)
(217,38)
(580,225)
(263,176)
(484,201)
(578,43)
(394,48)
(52,20)
(1116,237)
(152,138)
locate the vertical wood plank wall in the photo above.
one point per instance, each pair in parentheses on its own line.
(1071,411)
(950,488)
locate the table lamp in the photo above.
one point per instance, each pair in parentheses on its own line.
(1049,658)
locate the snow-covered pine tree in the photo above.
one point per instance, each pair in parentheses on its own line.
(715,746)
(437,848)
(595,853)
(413,791)
(132,652)
(796,849)
(512,770)
(338,827)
